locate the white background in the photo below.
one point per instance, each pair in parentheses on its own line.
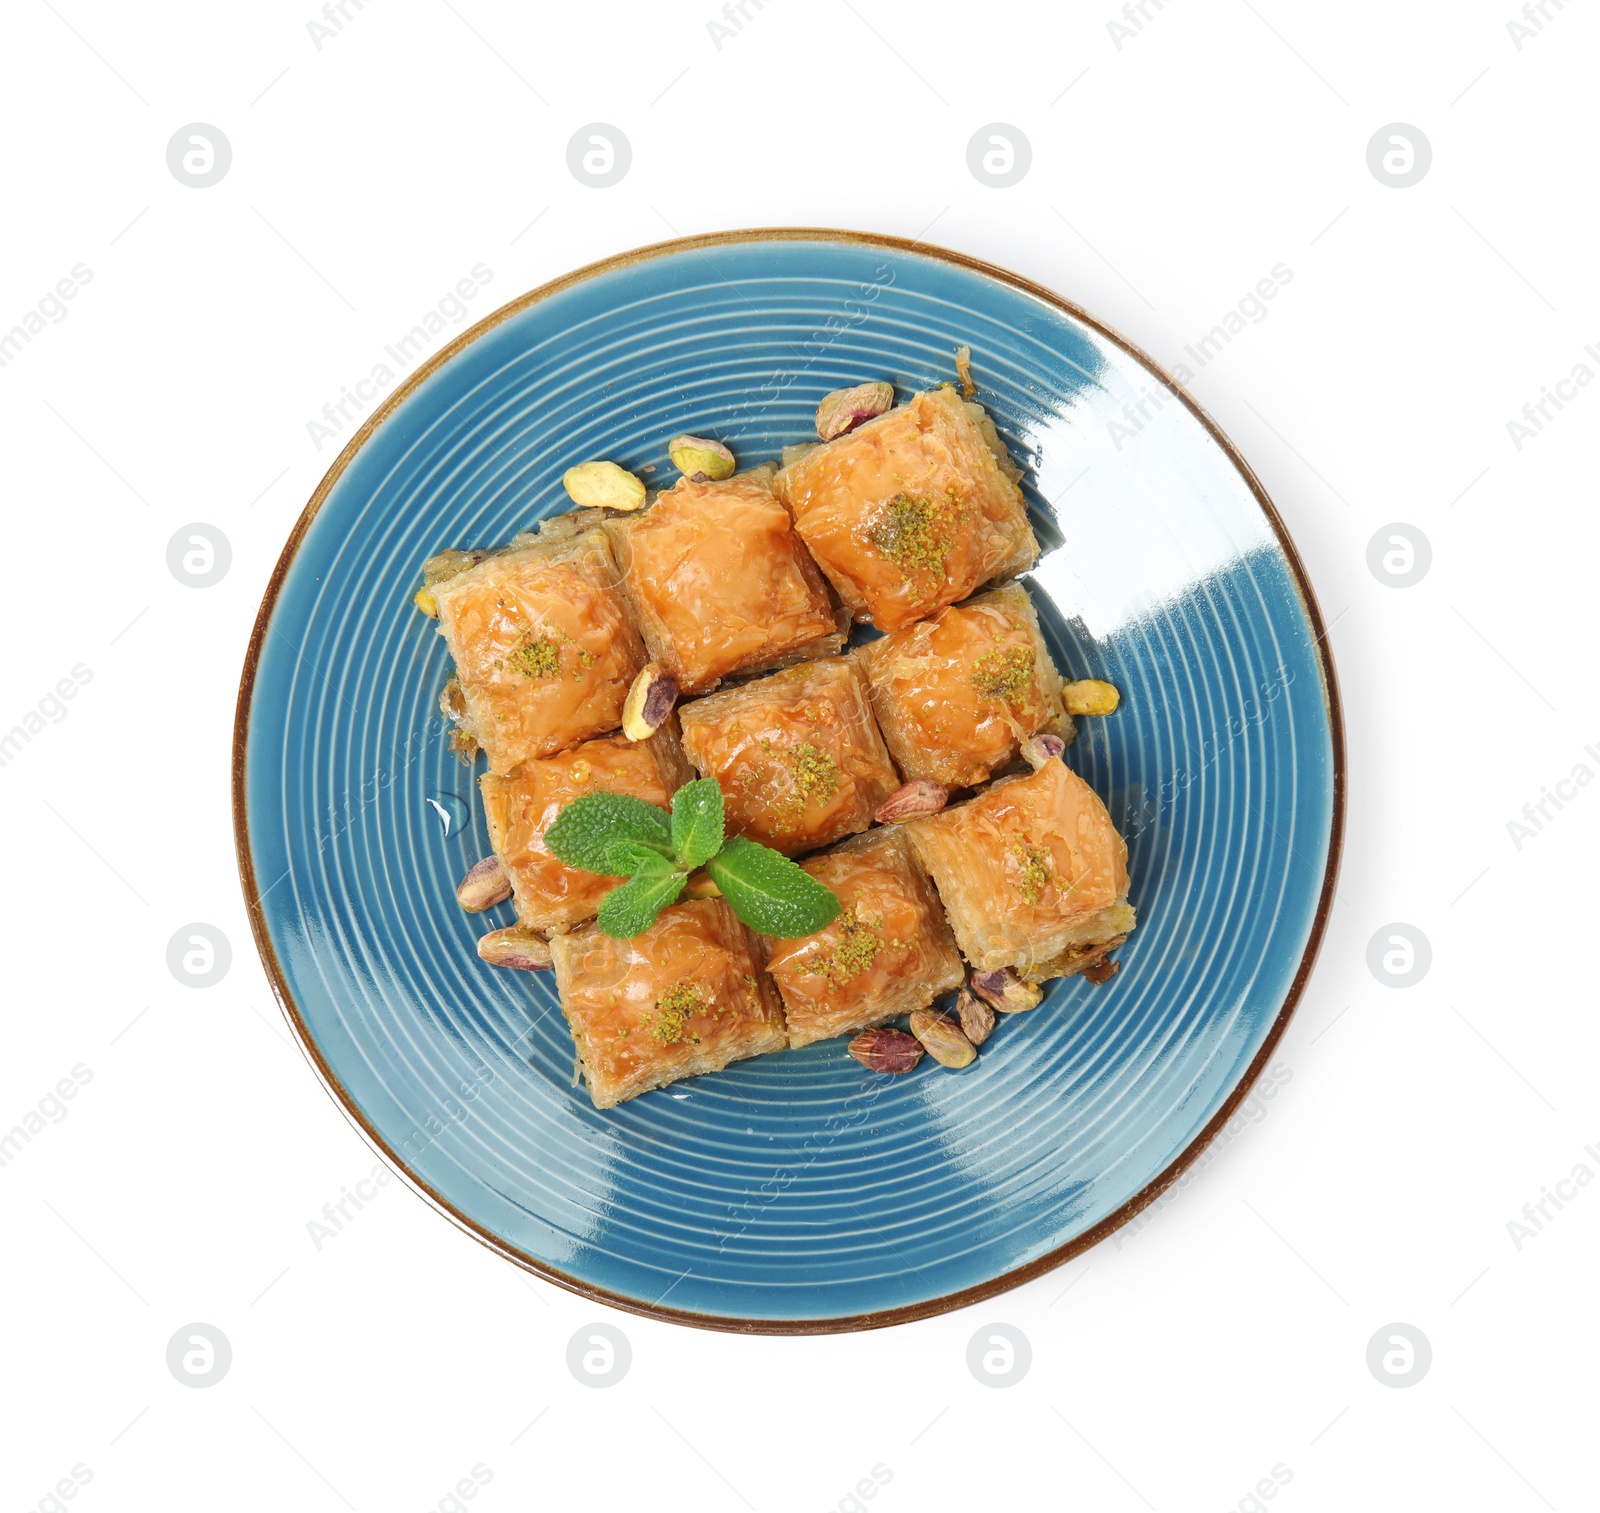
(1173,1370)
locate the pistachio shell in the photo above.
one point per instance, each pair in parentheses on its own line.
(649,702)
(843,410)
(917,797)
(486,885)
(1005,992)
(942,1037)
(515,947)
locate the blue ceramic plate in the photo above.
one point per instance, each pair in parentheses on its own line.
(794,1192)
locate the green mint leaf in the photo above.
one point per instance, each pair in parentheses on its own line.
(584,831)
(635,859)
(633,907)
(697,822)
(769,892)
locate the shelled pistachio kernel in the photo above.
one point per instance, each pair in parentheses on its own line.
(1090,696)
(698,457)
(649,702)
(603,486)
(843,410)
(1041,749)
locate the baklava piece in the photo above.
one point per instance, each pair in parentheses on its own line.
(797,755)
(957,695)
(551,896)
(720,583)
(888,953)
(1032,872)
(913,510)
(685,997)
(543,647)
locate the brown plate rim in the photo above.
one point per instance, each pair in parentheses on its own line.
(889,1316)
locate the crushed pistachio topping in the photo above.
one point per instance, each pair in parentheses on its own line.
(674,1009)
(1004,672)
(1034,863)
(916,533)
(858,944)
(540,658)
(816,773)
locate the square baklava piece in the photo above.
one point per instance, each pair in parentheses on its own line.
(957,695)
(549,895)
(797,755)
(687,996)
(720,583)
(1032,872)
(913,510)
(543,647)
(888,952)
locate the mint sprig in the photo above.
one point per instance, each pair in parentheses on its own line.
(614,835)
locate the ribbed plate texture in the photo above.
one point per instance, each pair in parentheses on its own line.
(796,1187)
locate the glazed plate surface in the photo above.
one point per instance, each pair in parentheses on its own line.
(794,1192)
